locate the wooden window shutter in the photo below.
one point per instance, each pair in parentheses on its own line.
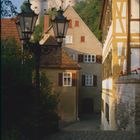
(70,23)
(82,38)
(94,80)
(74,79)
(60,79)
(83,80)
(76,23)
(80,58)
(98,58)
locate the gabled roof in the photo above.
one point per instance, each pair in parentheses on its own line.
(56,57)
(72,10)
(68,12)
(8,29)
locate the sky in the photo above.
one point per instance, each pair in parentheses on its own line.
(17,3)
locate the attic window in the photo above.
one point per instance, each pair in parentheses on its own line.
(68,39)
(70,23)
(82,38)
(76,23)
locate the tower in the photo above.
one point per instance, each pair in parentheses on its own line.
(40,7)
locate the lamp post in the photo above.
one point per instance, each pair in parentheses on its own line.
(26,21)
(60,26)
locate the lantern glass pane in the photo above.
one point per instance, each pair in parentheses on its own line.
(34,19)
(66,28)
(19,30)
(28,24)
(22,23)
(61,29)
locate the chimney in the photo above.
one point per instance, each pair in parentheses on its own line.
(46,22)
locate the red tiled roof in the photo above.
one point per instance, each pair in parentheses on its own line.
(8,29)
(56,57)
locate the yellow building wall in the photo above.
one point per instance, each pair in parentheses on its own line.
(115,53)
(67,108)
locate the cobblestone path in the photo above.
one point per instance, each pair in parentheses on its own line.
(89,129)
(92,135)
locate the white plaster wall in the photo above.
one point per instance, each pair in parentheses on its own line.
(106,48)
(135,9)
(111,102)
(107,83)
(135,58)
(135,27)
(126,94)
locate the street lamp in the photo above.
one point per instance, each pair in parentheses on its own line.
(26,21)
(60,26)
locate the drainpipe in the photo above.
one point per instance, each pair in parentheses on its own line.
(128,67)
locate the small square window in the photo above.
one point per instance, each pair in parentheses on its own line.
(89,58)
(67,79)
(73,56)
(70,23)
(88,80)
(82,38)
(76,23)
(68,39)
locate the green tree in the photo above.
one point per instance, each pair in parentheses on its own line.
(21,112)
(7,8)
(89,10)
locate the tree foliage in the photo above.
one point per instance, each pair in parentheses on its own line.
(21,112)
(7,8)
(89,10)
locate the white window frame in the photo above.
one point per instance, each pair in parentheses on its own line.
(68,39)
(73,56)
(88,80)
(68,77)
(89,58)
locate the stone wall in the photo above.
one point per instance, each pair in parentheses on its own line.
(128,103)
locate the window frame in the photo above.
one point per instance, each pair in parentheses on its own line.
(76,23)
(89,80)
(68,39)
(66,77)
(82,39)
(88,58)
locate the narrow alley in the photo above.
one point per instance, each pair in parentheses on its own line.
(88,128)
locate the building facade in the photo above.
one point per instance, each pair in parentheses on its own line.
(63,73)
(84,48)
(120,25)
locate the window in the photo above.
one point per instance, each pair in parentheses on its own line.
(76,23)
(70,23)
(73,56)
(67,79)
(68,39)
(88,80)
(82,38)
(89,58)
